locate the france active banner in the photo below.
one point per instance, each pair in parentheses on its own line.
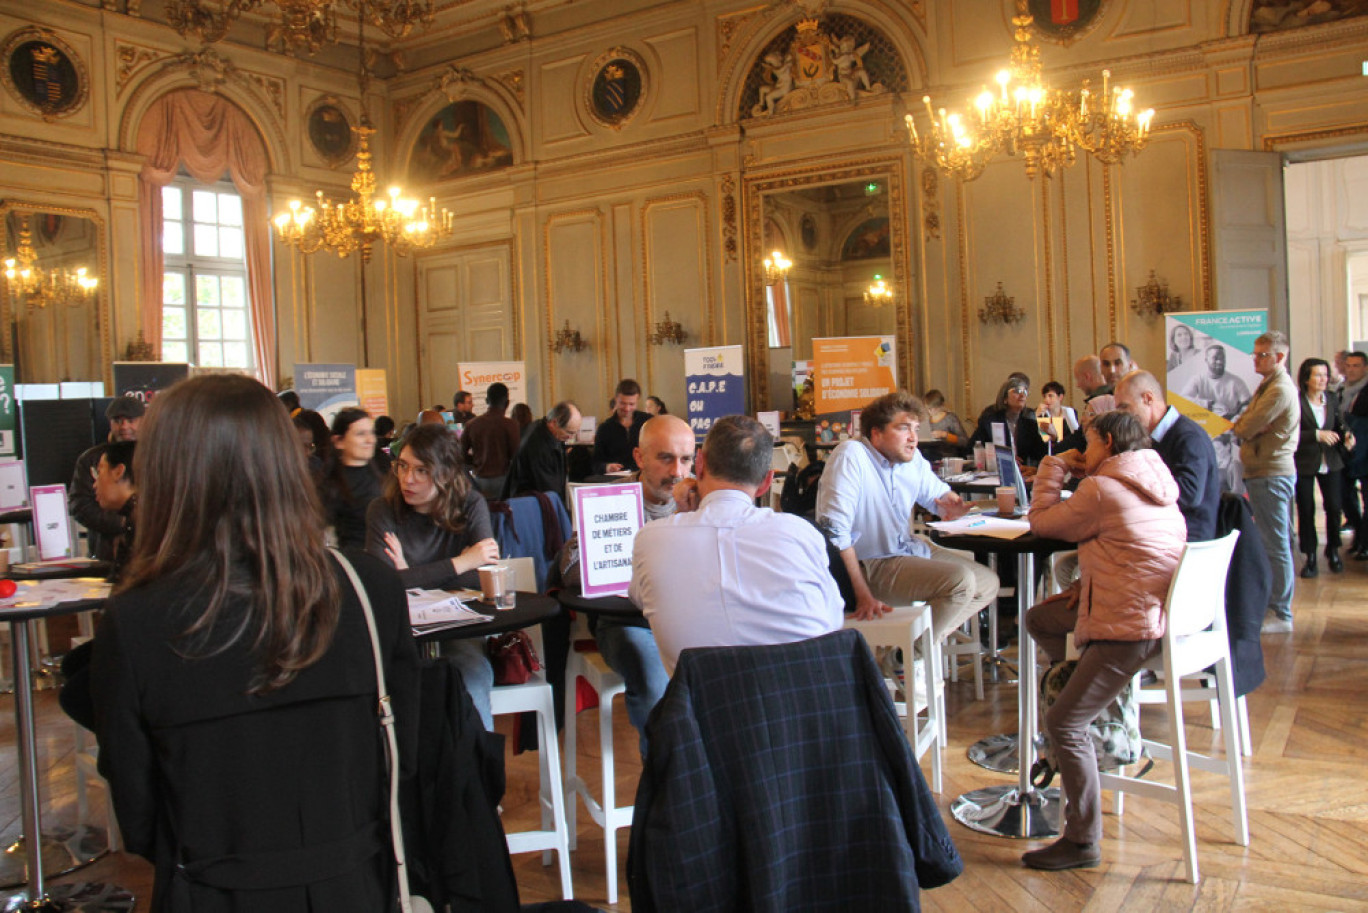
(714,386)
(1211,375)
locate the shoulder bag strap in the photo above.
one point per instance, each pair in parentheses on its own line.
(387,724)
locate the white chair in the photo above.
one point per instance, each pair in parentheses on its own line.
(904,627)
(607,814)
(554,834)
(1195,639)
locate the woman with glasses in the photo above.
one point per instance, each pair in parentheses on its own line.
(433,526)
(1010,410)
(232,673)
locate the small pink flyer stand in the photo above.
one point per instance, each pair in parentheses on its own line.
(607,517)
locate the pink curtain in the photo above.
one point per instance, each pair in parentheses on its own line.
(779,295)
(209,136)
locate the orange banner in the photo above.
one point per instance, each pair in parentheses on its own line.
(849,372)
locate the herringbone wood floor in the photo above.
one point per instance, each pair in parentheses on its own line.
(1308,799)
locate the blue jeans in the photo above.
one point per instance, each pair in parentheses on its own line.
(1271,498)
(469,657)
(632,653)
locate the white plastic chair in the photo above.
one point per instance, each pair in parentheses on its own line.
(1195,639)
(607,814)
(903,628)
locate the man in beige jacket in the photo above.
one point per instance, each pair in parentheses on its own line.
(1268,436)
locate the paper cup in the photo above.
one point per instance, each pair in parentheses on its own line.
(954,465)
(1006,500)
(493,581)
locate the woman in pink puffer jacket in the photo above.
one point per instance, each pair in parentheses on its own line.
(1130,534)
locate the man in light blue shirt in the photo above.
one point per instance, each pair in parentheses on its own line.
(869,489)
(725,573)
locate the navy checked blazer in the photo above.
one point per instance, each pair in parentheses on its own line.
(777,779)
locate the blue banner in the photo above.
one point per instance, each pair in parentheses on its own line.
(715,386)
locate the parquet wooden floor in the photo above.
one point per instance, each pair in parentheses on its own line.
(1308,800)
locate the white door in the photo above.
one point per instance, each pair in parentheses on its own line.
(465,313)
(1249,239)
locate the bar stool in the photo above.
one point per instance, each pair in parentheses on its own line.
(535,696)
(903,628)
(590,666)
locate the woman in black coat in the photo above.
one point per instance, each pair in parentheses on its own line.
(1010,409)
(353,477)
(233,677)
(1318,460)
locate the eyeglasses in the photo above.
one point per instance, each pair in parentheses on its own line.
(1258,355)
(417,470)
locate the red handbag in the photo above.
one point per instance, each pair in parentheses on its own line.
(513,657)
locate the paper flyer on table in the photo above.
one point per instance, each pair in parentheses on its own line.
(438,607)
(979,525)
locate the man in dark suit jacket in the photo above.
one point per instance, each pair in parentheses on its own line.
(1183,446)
(540,462)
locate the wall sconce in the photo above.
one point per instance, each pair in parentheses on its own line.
(567,338)
(669,331)
(879,293)
(776,268)
(1153,298)
(1000,307)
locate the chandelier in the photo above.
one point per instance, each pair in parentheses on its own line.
(1025,116)
(879,292)
(1000,307)
(776,268)
(363,221)
(667,330)
(1153,298)
(42,287)
(299,25)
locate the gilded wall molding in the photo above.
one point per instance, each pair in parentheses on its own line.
(729,242)
(133,59)
(1050,316)
(1109,226)
(709,294)
(1064,271)
(962,243)
(595,216)
(731,25)
(1272,142)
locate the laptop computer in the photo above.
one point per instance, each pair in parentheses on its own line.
(1009,475)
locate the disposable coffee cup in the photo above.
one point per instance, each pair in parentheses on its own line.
(954,466)
(1006,500)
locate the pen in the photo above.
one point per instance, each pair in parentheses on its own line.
(978,523)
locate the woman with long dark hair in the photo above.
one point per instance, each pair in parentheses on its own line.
(433,526)
(233,676)
(1319,462)
(352,478)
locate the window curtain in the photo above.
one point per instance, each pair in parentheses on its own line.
(209,136)
(779,310)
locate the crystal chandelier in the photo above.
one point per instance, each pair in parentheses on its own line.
(1025,116)
(42,287)
(879,293)
(776,268)
(363,221)
(299,25)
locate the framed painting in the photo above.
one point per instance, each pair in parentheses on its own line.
(330,131)
(617,87)
(43,73)
(466,137)
(1064,20)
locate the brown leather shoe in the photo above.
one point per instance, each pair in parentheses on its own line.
(1064,854)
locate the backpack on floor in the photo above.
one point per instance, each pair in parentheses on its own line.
(1115,732)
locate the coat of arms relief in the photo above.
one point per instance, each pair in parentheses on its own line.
(817,69)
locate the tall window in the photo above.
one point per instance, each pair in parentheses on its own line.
(205,317)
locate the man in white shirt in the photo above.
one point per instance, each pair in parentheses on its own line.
(728,573)
(869,489)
